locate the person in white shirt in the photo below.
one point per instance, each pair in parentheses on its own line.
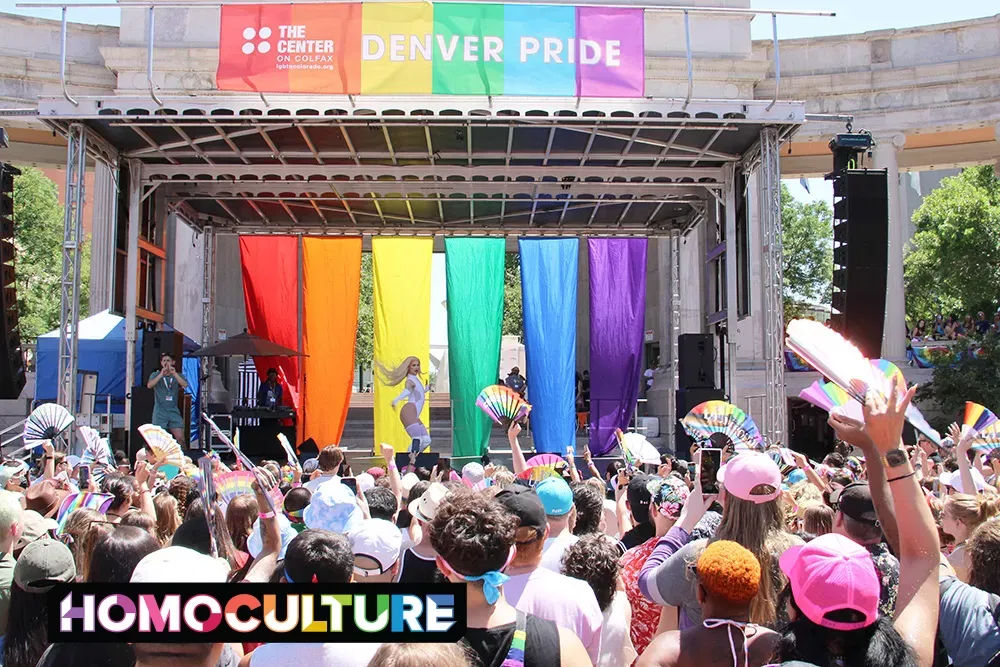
(534,589)
(560,514)
(330,460)
(594,559)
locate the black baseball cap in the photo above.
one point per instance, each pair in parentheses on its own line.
(524,504)
(639,497)
(855,501)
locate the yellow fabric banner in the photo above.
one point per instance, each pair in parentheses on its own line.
(402,302)
(399,34)
(331,282)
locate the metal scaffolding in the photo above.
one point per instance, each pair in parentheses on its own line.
(207,310)
(769,199)
(69,313)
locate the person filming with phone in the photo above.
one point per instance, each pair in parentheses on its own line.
(167,385)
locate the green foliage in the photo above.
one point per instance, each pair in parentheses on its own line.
(807,259)
(38,235)
(513,316)
(959,377)
(365,341)
(953,265)
(807,241)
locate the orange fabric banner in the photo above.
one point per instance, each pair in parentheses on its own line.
(331,283)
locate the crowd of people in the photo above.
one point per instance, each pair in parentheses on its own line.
(880,556)
(954,328)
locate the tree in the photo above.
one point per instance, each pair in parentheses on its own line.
(807,260)
(38,236)
(960,376)
(513,316)
(952,265)
(365,341)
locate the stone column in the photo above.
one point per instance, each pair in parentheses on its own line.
(886,152)
(102,238)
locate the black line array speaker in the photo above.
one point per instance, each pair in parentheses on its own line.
(696,360)
(860,256)
(687,399)
(11,360)
(142,413)
(155,343)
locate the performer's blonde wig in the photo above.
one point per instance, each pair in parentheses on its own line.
(394,376)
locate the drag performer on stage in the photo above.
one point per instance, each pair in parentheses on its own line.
(413,393)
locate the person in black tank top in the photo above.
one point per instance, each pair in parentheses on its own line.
(415,569)
(474,538)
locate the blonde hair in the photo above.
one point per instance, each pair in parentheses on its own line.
(168,517)
(760,529)
(418,655)
(10,510)
(972,510)
(77,526)
(393,376)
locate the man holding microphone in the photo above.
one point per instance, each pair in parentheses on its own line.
(167,385)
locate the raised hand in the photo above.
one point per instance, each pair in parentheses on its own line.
(884,417)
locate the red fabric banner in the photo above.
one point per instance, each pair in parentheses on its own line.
(271,295)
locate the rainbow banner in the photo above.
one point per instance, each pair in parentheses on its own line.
(389,48)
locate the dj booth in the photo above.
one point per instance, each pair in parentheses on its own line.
(259,429)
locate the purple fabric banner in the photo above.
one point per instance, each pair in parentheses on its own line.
(622,73)
(617,321)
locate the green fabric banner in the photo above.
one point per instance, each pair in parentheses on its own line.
(475,313)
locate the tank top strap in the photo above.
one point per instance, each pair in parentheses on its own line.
(515,655)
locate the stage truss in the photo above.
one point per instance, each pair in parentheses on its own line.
(444,166)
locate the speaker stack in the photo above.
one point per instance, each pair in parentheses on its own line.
(860,256)
(11,360)
(696,374)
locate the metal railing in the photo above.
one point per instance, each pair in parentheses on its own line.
(687,11)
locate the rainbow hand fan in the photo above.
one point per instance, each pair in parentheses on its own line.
(833,356)
(96,454)
(977,417)
(161,445)
(293,459)
(987,439)
(238,483)
(46,422)
(637,449)
(913,415)
(502,404)
(553,460)
(537,474)
(713,417)
(82,500)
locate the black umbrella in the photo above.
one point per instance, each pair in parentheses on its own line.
(246,345)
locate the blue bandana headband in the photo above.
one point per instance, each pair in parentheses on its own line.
(492,580)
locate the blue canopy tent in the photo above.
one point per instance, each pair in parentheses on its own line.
(102,351)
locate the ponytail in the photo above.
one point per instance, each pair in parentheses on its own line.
(972,510)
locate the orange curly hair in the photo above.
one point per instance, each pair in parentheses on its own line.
(729,571)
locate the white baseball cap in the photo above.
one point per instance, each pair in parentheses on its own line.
(426,506)
(180,565)
(954,480)
(365,482)
(408,482)
(376,544)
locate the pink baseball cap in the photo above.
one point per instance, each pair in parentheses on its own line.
(829,574)
(751,476)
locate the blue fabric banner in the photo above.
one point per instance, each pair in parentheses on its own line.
(617,320)
(548,291)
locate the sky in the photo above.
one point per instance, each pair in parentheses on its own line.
(852,15)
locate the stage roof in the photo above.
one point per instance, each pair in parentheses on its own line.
(430,165)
